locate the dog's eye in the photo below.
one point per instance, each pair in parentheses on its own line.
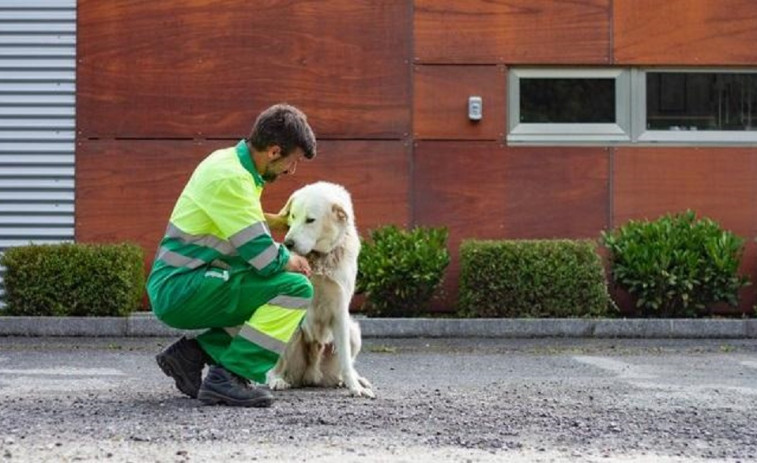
(309,220)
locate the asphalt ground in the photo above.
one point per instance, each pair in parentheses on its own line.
(547,399)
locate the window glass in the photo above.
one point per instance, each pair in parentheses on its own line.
(701,101)
(567,100)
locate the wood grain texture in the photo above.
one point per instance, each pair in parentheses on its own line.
(718,183)
(557,192)
(206,68)
(685,32)
(126,190)
(512,31)
(482,190)
(440,102)
(460,186)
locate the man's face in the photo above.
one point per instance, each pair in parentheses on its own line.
(279,165)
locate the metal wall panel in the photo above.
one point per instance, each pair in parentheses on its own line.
(37,121)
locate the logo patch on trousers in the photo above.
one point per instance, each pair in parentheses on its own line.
(222,274)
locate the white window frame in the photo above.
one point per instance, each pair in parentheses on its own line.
(642,135)
(570,133)
(630,113)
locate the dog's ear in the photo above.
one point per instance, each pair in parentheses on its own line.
(339,212)
(284,212)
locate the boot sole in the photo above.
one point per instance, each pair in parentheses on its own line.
(213,398)
(183,383)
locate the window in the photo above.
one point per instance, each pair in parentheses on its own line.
(568,105)
(698,106)
(630,105)
(583,100)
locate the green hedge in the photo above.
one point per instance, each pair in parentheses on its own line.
(677,265)
(73,279)
(532,278)
(400,270)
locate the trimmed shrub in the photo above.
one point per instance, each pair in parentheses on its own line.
(401,270)
(676,266)
(73,279)
(532,278)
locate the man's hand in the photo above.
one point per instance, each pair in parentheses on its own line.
(298,264)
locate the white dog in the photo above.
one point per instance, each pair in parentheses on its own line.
(323,351)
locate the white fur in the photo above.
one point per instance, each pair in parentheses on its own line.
(322,353)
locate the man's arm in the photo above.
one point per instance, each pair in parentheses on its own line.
(232,205)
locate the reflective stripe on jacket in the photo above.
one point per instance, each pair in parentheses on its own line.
(218,220)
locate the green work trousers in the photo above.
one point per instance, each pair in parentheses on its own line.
(249,318)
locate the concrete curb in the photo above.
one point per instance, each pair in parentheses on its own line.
(145,324)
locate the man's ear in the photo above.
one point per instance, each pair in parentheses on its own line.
(273,152)
(339,212)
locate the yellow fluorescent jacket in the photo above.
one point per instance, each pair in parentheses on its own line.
(218,221)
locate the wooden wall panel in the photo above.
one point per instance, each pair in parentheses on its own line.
(440,102)
(718,183)
(557,192)
(685,32)
(127,189)
(460,186)
(512,32)
(483,190)
(206,68)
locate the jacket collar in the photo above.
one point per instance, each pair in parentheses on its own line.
(245,157)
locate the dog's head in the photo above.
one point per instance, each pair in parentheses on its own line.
(318,216)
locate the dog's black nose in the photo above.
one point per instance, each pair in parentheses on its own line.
(289,244)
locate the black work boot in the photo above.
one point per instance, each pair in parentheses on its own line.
(183,361)
(224,387)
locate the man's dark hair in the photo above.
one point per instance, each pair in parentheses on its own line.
(285,126)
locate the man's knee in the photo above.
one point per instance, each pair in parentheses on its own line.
(299,286)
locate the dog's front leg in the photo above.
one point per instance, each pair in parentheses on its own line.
(275,380)
(291,364)
(313,375)
(344,355)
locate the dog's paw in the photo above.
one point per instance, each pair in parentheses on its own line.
(312,377)
(364,382)
(277,384)
(360,391)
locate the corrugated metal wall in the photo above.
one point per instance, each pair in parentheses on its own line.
(37,121)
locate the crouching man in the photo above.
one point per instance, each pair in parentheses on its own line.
(218,267)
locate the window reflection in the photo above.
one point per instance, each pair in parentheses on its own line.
(559,100)
(701,101)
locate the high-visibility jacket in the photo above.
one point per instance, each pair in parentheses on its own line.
(217,224)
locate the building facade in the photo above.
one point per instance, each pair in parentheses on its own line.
(505,119)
